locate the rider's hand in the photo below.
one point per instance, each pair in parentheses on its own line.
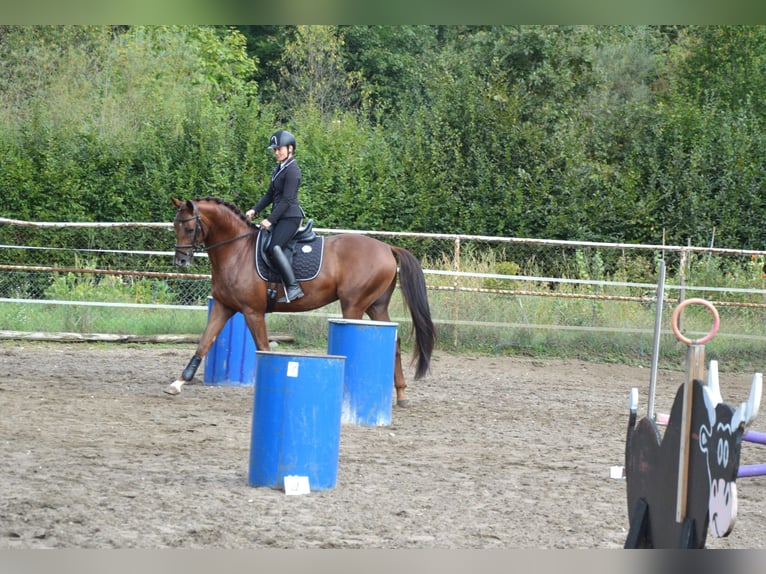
(249,214)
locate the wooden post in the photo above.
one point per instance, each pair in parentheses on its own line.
(456,294)
(695,369)
(682,280)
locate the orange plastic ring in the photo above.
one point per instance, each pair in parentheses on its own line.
(677,314)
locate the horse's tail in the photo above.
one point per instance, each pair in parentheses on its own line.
(413,285)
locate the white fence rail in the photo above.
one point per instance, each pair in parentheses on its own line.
(26,259)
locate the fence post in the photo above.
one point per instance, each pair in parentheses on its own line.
(682,281)
(455,293)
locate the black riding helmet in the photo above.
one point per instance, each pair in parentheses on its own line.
(281,138)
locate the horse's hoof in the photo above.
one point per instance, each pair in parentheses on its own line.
(404,403)
(171,390)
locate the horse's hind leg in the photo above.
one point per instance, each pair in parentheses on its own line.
(399,383)
(380,313)
(256,322)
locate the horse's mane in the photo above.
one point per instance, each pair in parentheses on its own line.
(236,210)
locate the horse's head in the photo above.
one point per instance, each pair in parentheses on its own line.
(190,233)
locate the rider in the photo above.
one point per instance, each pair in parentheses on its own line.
(286,213)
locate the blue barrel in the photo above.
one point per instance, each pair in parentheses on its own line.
(370,351)
(296,419)
(231,359)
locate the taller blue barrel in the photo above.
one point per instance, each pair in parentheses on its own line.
(370,351)
(231,359)
(296,419)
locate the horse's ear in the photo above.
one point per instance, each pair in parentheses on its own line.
(177,202)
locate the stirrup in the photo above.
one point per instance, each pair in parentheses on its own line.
(291,294)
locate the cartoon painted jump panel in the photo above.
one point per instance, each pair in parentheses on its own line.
(651,467)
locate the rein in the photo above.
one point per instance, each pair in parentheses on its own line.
(225,241)
(199,231)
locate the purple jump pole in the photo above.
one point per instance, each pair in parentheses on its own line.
(751,470)
(755,436)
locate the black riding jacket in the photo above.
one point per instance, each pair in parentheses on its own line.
(282,193)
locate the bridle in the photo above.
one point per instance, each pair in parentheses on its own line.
(188,250)
(200,235)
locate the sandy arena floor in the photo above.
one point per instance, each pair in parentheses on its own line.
(494,452)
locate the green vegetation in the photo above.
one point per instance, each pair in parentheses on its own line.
(602,133)
(489,315)
(631,134)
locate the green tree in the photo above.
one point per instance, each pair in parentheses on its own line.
(313,72)
(122,118)
(387,60)
(723,64)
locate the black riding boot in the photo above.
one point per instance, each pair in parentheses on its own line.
(292,289)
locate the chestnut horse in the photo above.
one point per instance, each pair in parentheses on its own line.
(357,270)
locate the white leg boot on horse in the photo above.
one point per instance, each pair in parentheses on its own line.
(174,388)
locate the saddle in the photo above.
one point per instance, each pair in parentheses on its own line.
(304,251)
(303,234)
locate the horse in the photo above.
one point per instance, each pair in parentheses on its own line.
(357,270)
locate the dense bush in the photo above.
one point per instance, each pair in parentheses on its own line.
(605,133)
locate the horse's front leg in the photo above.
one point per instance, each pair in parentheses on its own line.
(219,314)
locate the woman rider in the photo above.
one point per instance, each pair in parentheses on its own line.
(286,212)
